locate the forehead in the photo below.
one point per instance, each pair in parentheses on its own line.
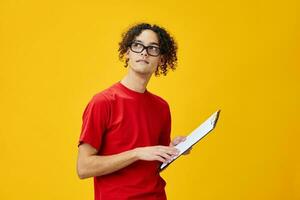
(147,37)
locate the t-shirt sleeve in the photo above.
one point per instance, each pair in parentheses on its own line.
(94,122)
(165,137)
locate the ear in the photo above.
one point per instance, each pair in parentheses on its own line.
(161,61)
(127,54)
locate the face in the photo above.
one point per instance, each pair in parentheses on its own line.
(143,62)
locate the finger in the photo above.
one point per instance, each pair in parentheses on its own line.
(168,153)
(178,139)
(167,148)
(167,156)
(161,159)
(182,138)
(170,150)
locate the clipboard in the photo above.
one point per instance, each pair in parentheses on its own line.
(195,136)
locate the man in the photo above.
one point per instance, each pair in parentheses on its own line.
(126,129)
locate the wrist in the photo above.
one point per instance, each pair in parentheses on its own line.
(135,154)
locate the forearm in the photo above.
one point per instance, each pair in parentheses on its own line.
(96,165)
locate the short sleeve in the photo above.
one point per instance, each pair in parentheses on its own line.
(94,121)
(165,137)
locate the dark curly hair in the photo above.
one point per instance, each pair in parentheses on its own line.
(167,44)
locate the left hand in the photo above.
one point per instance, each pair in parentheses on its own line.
(177,140)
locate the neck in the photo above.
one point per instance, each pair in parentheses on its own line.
(135,81)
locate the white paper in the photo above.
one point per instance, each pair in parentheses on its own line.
(195,136)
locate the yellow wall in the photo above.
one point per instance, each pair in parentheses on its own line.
(239,56)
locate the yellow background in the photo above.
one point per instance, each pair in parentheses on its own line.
(238,56)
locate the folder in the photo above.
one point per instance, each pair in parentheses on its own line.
(194,137)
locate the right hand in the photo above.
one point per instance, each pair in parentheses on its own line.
(160,153)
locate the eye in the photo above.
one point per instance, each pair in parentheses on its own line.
(137,45)
(153,48)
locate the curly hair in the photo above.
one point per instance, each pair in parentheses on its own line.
(167,44)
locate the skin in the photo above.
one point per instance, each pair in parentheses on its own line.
(139,73)
(89,164)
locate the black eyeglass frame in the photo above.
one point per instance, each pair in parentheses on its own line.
(144,47)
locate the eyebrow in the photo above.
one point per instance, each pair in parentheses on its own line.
(149,43)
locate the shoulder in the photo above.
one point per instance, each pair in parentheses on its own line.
(105,95)
(102,98)
(159,100)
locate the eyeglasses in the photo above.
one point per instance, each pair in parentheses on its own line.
(138,48)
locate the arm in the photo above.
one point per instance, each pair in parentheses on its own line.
(90,164)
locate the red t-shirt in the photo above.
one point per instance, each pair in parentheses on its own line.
(119,119)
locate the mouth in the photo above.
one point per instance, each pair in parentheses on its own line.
(142,61)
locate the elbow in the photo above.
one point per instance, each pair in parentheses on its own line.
(81,172)
(81,175)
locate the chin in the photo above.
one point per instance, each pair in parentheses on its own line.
(142,69)
(143,72)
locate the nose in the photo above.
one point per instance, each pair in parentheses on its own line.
(144,52)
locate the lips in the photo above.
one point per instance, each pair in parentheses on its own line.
(144,61)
